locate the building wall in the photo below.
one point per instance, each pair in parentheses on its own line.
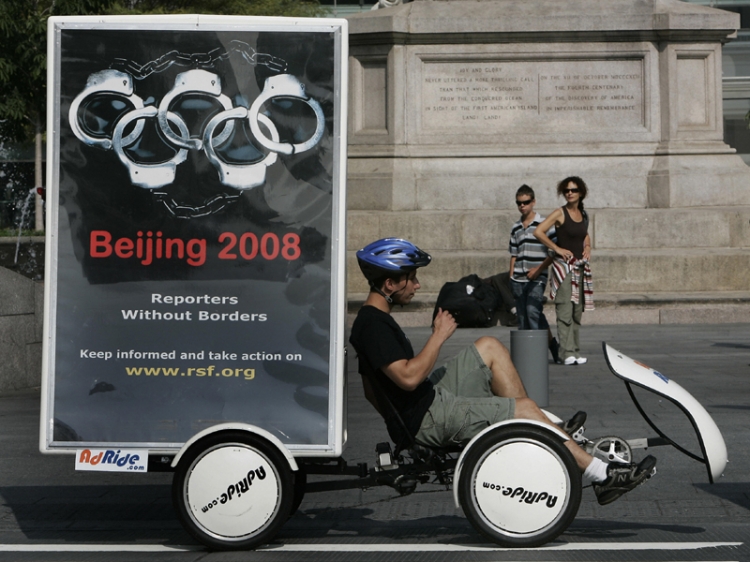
(736,77)
(21,324)
(453,105)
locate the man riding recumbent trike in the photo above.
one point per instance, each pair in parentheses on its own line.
(518,476)
(517,480)
(516,471)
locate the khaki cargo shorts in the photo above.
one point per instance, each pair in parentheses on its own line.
(464,404)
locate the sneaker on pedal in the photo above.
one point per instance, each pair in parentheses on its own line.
(574,424)
(621,478)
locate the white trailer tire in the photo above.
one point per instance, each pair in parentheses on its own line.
(233,490)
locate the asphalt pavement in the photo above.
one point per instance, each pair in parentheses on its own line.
(51,512)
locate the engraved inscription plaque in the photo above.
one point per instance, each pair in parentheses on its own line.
(533,96)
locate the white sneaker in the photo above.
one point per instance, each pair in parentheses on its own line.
(581,360)
(570,360)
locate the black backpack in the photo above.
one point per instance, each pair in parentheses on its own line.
(471,302)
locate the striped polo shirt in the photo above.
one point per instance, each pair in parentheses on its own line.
(528,251)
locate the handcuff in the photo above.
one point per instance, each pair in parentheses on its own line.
(148,176)
(197,82)
(238,176)
(109,81)
(285,86)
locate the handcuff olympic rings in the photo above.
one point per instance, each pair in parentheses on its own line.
(152,176)
(285,86)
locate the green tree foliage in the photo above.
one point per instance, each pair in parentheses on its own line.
(296,8)
(23,44)
(23,71)
(23,59)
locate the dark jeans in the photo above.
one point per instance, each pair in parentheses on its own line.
(529,298)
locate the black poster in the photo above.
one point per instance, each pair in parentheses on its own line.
(198,183)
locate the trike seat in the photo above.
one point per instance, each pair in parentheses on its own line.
(407,443)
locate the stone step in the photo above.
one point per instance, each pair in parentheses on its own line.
(611,308)
(708,227)
(465,171)
(627,271)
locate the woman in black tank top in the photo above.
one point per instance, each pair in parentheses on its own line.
(571,234)
(570,270)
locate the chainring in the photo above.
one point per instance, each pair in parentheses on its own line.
(610,449)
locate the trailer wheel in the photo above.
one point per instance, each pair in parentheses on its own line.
(233,490)
(520,486)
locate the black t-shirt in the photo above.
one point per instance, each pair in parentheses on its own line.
(379,341)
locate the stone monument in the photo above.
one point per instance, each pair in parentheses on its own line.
(454,104)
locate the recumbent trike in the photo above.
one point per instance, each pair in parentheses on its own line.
(516,481)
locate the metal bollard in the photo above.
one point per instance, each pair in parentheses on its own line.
(528,350)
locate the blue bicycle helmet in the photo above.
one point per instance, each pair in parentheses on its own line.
(390,255)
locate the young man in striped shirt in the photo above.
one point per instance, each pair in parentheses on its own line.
(529,260)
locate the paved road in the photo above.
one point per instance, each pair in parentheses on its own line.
(677,516)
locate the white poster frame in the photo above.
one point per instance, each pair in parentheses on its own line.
(336,432)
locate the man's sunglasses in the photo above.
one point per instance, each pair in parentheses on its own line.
(527,202)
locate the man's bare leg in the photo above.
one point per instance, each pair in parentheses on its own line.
(505,379)
(526,409)
(507,383)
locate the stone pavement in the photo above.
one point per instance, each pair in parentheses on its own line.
(45,500)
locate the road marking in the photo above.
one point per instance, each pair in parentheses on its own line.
(95,548)
(367,547)
(491,548)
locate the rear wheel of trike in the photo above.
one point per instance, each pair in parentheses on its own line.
(233,490)
(520,486)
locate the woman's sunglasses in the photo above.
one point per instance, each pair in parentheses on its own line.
(576,190)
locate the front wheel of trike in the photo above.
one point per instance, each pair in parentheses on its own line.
(520,486)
